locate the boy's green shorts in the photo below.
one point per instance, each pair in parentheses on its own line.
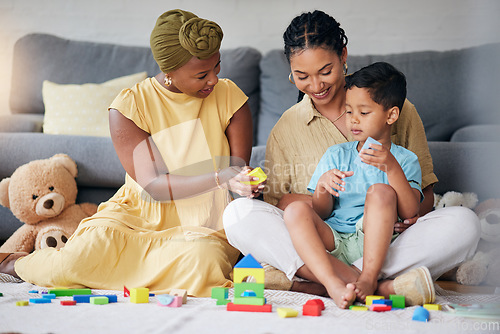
(349,246)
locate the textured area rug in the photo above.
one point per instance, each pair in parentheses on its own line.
(201,315)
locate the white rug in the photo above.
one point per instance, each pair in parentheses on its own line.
(201,315)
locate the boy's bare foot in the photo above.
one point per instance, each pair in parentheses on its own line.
(7,261)
(364,287)
(343,296)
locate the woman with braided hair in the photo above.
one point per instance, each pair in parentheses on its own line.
(184,139)
(316,48)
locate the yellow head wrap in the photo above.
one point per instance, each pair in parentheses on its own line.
(179,35)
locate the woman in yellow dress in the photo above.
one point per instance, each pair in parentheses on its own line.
(184,138)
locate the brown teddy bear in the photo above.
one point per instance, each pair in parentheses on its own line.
(42,195)
(484,267)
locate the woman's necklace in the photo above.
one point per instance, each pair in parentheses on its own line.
(336,119)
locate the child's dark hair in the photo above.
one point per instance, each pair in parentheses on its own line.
(316,29)
(385,84)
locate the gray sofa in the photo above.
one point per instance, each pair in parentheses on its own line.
(456,93)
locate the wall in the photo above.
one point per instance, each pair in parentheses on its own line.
(382,26)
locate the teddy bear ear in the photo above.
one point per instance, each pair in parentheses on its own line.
(470,200)
(4,192)
(67,162)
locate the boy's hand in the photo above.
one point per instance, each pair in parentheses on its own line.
(332,180)
(379,157)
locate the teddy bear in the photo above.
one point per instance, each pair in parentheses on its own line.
(453,198)
(484,267)
(42,195)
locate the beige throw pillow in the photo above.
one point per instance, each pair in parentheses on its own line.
(82,109)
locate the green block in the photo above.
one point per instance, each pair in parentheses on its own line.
(222,301)
(70,292)
(220,293)
(240,288)
(249,301)
(1,294)
(99,300)
(398,301)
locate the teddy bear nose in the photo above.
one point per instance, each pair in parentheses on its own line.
(48,204)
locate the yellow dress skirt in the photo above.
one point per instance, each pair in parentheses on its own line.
(135,241)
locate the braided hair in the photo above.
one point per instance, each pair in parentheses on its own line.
(316,29)
(310,30)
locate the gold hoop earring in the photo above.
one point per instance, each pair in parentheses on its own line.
(290,78)
(168,80)
(345,68)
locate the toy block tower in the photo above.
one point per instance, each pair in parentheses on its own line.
(249,296)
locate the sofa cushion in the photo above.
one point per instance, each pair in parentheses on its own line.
(82,109)
(467,167)
(77,62)
(450,89)
(21,123)
(96,159)
(477,133)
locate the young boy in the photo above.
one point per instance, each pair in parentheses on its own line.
(359,193)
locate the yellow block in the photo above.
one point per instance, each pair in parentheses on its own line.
(241,273)
(285,312)
(358,308)
(22,303)
(432,307)
(139,295)
(256,172)
(370,299)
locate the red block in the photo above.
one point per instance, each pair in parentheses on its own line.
(380,307)
(68,302)
(126,293)
(316,302)
(249,308)
(312,310)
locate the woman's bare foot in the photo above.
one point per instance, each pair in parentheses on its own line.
(7,265)
(364,287)
(342,295)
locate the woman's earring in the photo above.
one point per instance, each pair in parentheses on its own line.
(345,68)
(168,80)
(290,78)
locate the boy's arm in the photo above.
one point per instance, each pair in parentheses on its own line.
(408,198)
(329,184)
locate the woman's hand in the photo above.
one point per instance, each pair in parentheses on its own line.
(400,227)
(232,179)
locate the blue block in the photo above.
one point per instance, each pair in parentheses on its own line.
(40,301)
(420,314)
(165,299)
(249,294)
(248,262)
(49,296)
(387,302)
(33,291)
(86,298)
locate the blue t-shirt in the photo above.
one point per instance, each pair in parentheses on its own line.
(349,206)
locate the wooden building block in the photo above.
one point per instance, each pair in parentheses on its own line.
(139,295)
(285,312)
(180,292)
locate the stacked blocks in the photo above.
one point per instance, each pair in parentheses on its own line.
(139,295)
(248,297)
(169,300)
